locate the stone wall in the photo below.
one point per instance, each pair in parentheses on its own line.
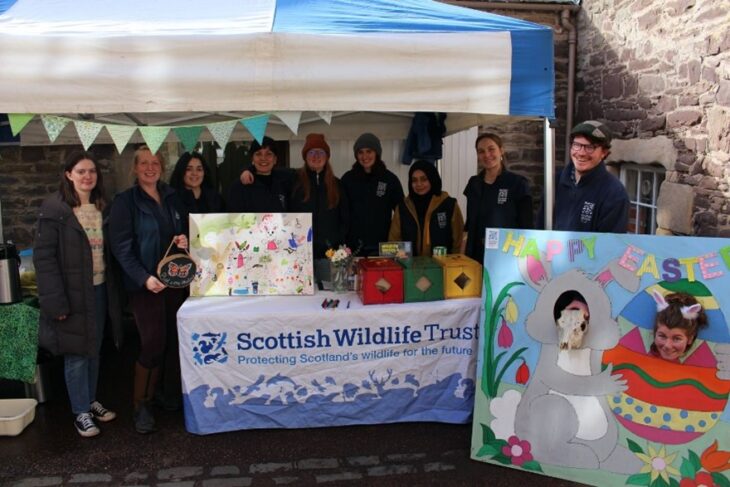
(656,70)
(29,174)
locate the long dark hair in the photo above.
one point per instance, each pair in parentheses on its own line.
(67,189)
(178,174)
(330,184)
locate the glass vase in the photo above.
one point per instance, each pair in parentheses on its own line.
(339,279)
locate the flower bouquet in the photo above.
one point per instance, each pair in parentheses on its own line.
(341,262)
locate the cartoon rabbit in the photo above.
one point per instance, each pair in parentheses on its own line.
(564,412)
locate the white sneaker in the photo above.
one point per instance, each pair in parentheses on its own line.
(101,413)
(85,425)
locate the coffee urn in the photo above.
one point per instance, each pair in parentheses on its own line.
(10,290)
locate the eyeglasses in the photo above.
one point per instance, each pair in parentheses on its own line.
(316,153)
(577,146)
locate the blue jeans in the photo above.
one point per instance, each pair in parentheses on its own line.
(81,371)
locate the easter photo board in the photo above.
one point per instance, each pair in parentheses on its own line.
(601,408)
(247,254)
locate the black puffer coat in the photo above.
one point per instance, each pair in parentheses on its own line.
(64,271)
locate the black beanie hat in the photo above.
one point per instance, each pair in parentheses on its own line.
(431,173)
(368,141)
(267,142)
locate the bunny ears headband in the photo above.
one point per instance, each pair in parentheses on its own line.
(688,312)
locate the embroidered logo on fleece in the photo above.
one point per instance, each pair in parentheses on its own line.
(586,214)
(502,196)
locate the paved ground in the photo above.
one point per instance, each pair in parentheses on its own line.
(50,452)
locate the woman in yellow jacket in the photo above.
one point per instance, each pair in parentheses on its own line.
(427,217)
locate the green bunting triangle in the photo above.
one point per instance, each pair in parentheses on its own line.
(120,134)
(188,136)
(54,125)
(154,136)
(221,131)
(87,132)
(256,126)
(18,121)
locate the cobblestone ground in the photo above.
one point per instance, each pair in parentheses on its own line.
(50,452)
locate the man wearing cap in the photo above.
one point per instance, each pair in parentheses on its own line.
(270,189)
(587,197)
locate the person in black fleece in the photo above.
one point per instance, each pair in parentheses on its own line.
(373,192)
(191,179)
(587,197)
(319,192)
(427,217)
(495,197)
(269,191)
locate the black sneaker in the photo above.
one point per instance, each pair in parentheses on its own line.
(101,413)
(85,425)
(144,421)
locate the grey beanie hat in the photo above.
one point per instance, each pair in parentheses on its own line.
(368,141)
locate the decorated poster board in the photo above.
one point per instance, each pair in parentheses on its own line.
(246,254)
(606,411)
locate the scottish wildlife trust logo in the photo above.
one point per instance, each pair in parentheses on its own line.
(209,347)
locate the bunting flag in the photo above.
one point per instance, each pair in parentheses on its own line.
(87,132)
(54,125)
(221,131)
(188,136)
(256,126)
(120,134)
(154,136)
(18,121)
(290,119)
(326,116)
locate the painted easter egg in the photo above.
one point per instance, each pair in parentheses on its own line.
(667,402)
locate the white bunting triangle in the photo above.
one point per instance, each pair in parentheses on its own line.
(120,134)
(87,132)
(290,119)
(326,116)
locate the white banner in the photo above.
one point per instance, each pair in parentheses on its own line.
(285,361)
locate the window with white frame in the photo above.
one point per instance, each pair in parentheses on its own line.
(642,184)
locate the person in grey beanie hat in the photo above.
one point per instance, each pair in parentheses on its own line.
(372,192)
(368,141)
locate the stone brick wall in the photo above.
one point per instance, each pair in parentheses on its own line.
(661,70)
(28,175)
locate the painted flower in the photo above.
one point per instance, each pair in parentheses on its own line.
(658,463)
(702,479)
(517,450)
(715,460)
(511,310)
(504,338)
(523,374)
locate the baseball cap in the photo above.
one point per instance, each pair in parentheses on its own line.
(595,131)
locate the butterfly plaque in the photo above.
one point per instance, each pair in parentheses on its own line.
(176,270)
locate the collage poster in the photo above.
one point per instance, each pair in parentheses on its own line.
(246,254)
(585,395)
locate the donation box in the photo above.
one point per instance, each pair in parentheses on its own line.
(462,276)
(381,281)
(423,279)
